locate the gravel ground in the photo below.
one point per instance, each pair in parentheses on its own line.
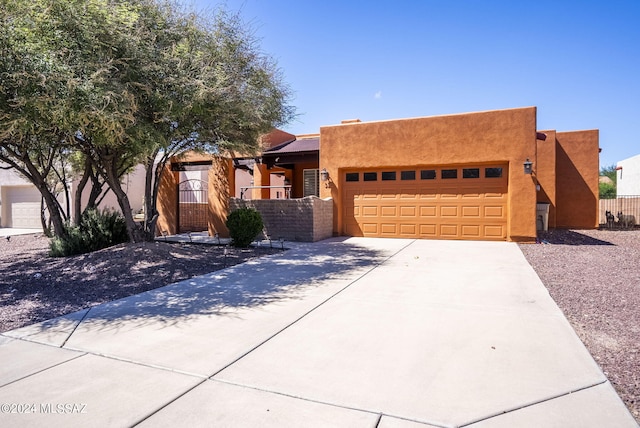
(594,277)
(35,287)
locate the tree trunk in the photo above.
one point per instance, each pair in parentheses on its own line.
(77,204)
(152,181)
(52,204)
(113,181)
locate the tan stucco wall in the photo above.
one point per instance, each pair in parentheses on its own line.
(577,171)
(506,136)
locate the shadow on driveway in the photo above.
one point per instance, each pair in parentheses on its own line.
(282,277)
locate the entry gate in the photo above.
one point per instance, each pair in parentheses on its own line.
(192,206)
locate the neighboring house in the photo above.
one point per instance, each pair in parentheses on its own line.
(19,201)
(445,177)
(628,176)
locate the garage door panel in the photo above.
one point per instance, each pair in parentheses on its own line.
(370,228)
(388,211)
(428,230)
(369,211)
(449,230)
(446,196)
(429,207)
(389,194)
(428,211)
(429,196)
(411,194)
(408,229)
(471,211)
(494,211)
(495,231)
(493,195)
(470,230)
(408,211)
(389,229)
(449,211)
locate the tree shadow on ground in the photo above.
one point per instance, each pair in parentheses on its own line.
(568,237)
(282,277)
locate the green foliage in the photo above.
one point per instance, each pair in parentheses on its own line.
(244,225)
(607,191)
(610,171)
(117,82)
(97,230)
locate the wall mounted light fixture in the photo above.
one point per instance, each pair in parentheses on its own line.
(324,177)
(528,166)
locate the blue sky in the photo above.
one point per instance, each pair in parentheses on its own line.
(577,61)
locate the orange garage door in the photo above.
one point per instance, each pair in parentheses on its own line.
(452,202)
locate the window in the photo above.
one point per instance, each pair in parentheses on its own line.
(493,172)
(407,175)
(471,173)
(370,176)
(449,173)
(428,174)
(353,176)
(389,176)
(311,182)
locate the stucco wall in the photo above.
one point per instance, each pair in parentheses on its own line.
(545,170)
(221,179)
(307,219)
(577,172)
(473,138)
(167,203)
(628,179)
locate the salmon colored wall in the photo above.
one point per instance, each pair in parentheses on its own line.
(261,177)
(221,178)
(275,138)
(577,171)
(167,203)
(485,137)
(545,169)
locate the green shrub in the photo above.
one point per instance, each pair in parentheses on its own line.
(244,225)
(607,191)
(97,230)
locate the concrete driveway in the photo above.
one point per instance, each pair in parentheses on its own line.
(345,332)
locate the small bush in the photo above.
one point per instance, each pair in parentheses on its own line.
(244,225)
(97,230)
(607,191)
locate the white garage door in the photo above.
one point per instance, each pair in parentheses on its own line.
(23,207)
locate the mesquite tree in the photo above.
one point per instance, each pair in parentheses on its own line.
(124,82)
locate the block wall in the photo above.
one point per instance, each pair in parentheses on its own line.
(307,219)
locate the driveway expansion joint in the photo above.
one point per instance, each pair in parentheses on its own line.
(295,321)
(535,403)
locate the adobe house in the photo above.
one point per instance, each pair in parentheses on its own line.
(477,176)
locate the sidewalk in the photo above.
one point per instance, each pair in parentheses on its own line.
(355,332)
(12,231)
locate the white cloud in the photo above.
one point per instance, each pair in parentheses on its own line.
(378,95)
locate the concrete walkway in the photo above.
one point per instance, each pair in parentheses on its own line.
(355,333)
(13,231)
